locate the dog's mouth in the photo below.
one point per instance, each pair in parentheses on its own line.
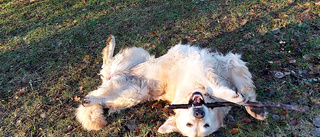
(196,99)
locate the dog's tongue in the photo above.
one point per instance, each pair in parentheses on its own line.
(196,100)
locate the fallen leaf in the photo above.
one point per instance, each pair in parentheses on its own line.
(235,126)
(287,73)
(81,88)
(307,57)
(311,72)
(162,37)
(76,99)
(22,91)
(316,103)
(275,117)
(68,129)
(285,112)
(316,121)
(292,61)
(279,74)
(131,127)
(246,120)
(294,122)
(19,121)
(111,129)
(234,131)
(74,22)
(316,132)
(169,112)
(251,12)
(276,31)
(243,22)
(137,129)
(43,115)
(154,104)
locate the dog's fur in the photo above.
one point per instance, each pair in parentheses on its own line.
(133,76)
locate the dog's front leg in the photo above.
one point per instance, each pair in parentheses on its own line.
(226,94)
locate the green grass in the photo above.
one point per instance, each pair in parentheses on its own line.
(51,52)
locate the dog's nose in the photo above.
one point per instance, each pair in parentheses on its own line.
(198,113)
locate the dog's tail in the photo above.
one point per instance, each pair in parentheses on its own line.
(91,117)
(107,52)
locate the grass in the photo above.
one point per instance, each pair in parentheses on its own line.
(50,54)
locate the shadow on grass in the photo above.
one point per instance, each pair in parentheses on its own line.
(42,78)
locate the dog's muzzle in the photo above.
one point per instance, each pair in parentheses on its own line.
(197,101)
(198,113)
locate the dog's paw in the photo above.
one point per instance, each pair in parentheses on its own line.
(259,113)
(239,98)
(90,100)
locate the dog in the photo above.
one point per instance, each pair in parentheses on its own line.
(186,74)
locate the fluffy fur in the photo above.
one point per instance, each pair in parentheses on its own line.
(133,76)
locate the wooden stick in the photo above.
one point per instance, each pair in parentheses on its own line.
(248,103)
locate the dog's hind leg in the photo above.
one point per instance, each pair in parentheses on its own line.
(129,98)
(122,91)
(107,52)
(90,114)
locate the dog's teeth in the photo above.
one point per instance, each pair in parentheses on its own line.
(197,96)
(194,97)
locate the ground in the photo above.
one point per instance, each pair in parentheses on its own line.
(51,54)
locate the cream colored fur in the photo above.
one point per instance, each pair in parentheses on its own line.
(133,76)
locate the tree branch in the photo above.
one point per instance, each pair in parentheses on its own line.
(251,104)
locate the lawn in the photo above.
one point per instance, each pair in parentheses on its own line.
(51,54)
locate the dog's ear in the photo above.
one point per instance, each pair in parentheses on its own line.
(169,126)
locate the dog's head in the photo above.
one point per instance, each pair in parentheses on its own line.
(197,120)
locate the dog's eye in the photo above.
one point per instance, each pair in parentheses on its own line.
(189,125)
(206,125)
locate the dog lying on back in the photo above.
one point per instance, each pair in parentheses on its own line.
(186,74)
